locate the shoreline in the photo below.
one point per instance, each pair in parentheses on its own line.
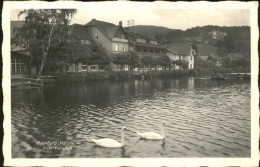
(70,77)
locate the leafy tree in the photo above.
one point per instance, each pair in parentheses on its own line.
(182,63)
(121,59)
(98,56)
(164,61)
(130,58)
(200,63)
(77,52)
(147,60)
(133,59)
(44,29)
(240,62)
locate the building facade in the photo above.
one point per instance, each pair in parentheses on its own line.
(145,45)
(101,34)
(115,40)
(20,58)
(186,55)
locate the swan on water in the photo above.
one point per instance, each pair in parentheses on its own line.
(153,135)
(111,143)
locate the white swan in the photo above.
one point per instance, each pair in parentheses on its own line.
(153,135)
(111,143)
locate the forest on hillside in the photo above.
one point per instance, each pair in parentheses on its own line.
(236,41)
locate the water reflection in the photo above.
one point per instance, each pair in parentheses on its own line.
(191,83)
(206,118)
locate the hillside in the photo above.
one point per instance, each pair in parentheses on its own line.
(150,29)
(202,35)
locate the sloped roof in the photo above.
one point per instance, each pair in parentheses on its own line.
(180,48)
(235,56)
(16,24)
(141,35)
(206,50)
(78,31)
(213,57)
(133,36)
(108,29)
(169,50)
(204,57)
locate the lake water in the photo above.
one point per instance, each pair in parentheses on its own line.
(204,118)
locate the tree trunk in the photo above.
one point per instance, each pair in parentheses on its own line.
(44,56)
(45,53)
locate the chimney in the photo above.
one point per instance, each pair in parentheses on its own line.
(120,23)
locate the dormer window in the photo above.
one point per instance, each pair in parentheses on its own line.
(139,40)
(153,42)
(85,42)
(120,36)
(96,35)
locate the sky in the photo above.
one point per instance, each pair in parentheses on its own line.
(170,18)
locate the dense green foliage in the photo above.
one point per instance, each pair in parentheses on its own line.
(200,63)
(235,41)
(172,36)
(44,30)
(126,58)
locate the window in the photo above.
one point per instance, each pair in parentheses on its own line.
(96,35)
(85,42)
(116,47)
(139,40)
(82,41)
(120,36)
(145,49)
(153,42)
(151,50)
(190,58)
(190,66)
(101,68)
(139,49)
(84,68)
(123,48)
(18,66)
(93,67)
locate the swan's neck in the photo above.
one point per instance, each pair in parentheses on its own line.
(162,131)
(122,138)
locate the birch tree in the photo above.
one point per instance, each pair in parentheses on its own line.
(44,28)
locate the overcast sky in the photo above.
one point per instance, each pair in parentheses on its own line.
(171,18)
